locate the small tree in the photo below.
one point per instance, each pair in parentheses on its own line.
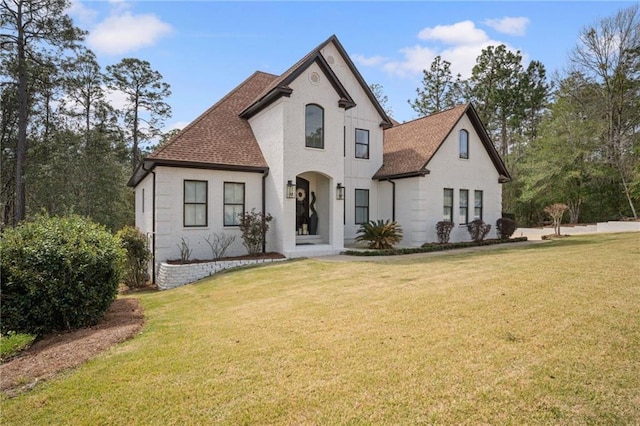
(443,229)
(556,211)
(138,255)
(478,230)
(380,235)
(254,226)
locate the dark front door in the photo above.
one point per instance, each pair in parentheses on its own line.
(302,203)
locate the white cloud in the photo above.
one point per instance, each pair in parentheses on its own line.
(464,32)
(176,125)
(416,58)
(369,61)
(516,26)
(119,34)
(459,43)
(81,13)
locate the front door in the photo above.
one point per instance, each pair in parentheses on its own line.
(302,205)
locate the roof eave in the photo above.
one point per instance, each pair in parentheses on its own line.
(147,165)
(266,100)
(418,173)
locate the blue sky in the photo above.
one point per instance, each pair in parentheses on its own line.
(206,48)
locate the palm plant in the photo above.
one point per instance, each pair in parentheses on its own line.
(380,234)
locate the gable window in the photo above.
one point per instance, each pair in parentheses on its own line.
(314,126)
(464,206)
(464,144)
(477,205)
(447,209)
(362,143)
(233,203)
(195,203)
(362,206)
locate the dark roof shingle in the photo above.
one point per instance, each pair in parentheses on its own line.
(219,135)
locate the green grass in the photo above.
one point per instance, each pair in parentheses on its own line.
(13,343)
(543,334)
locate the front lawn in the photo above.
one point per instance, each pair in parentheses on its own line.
(543,334)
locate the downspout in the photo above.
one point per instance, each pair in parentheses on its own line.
(393,200)
(264,208)
(153,224)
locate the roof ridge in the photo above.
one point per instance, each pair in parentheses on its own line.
(209,110)
(466,105)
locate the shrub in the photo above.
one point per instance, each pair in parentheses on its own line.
(380,235)
(443,229)
(57,274)
(506,227)
(219,243)
(254,227)
(138,255)
(185,250)
(478,230)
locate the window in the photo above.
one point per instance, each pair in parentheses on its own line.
(233,203)
(362,143)
(195,203)
(314,126)
(477,206)
(464,206)
(464,144)
(362,206)
(447,211)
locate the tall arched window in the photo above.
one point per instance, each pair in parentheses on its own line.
(464,144)
(314,126)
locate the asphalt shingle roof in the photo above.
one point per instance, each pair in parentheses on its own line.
(219,135)
(408,147)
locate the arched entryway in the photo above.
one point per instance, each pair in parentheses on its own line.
(313,209)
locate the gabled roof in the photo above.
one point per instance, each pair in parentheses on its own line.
(409,147)
(280,87)
(218,139)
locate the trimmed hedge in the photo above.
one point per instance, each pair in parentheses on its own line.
(57,274)
(431,247)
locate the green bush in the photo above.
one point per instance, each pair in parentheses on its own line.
(443,229)
(380,235)
(57,274)
(254,227)
(506,227)
(478,230)
(135,244)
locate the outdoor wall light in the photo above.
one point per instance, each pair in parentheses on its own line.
(339,192)
(291,190)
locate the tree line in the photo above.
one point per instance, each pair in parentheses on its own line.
(65,147)
(573,138)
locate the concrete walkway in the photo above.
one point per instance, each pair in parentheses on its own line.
(346,258)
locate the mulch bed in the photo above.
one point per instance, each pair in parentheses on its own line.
(269,255)
(58,352)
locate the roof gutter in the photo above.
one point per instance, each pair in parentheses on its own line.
(264,208)
(393,199)
(419,173)
(153,222)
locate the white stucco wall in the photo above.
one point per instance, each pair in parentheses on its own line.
(449,171)
(170,227)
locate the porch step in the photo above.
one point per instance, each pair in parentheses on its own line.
(305,240)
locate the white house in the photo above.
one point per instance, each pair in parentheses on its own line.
(315,138)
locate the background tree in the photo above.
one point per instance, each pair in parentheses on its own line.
(146,109)
(608,55)
(32,33)
(383,100)
(439,90)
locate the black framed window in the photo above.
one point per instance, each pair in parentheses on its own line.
(362,206)
(477,205)
(362,143)
(314,126)
(464,206)
(195,202)
(447,209)
(464,144)
(233,203)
